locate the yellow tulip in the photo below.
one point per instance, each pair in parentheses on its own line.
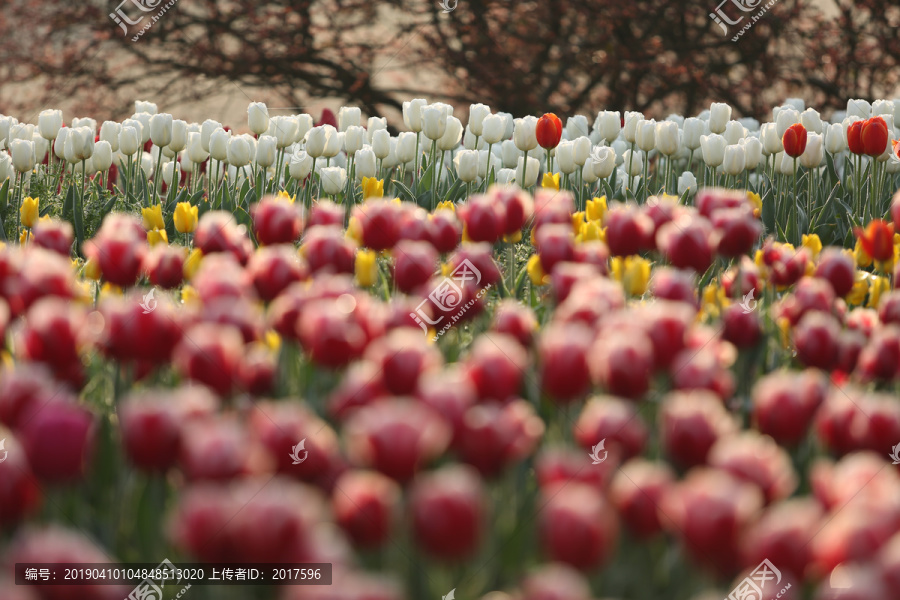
(157,236)
(633,273)
(192,264)
(878,286)
(859,290)
(863,260)
(366,268)
(784,327)
(536,271)
(153,218)
(30,211)
(185,217)
(189,296)
(813,244)
(756,201)
(596,209)
(25,237)
(577,222)
(283,195)
(591,232)
(550,181)
(372,188)
(273,340)
(109,289)
(354,231)
(446,204)
(513,238)
(92,270)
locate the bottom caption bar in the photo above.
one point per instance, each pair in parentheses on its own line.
(167,573)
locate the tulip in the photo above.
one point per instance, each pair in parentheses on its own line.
(734,160)
(494,128)
(645,134)
(466,163)
(634,160)
(59,441)
(317,138)
(631,121)
(692,129)
(103,155)
(713,149)
(349,116)
(667,137)
(531,171)
(49,123)
(218,144)
(147,164)
(859,108)
(301,165)
(525,136)
(258,117)
(23,131)
(565,156)
(22,154)
(577,526)
(548,131)
(452,134)
(238,152)
(185,217)
(719,115)
(794,140)
(603,161)
(734,132)
(381,144)
(129,140)
(811,120)
(266,151)
(412,114)
(834,138)
(373,124)
(448,512)
(770,139)
(30,211)
(687,183)
(786,118)
(206,130)
(874,136)
(6,167)
(877,239)
(814,153)
(354,139)
(161,129)
(752,152)
(636,493)
(434,122)
(608,124)
(287,130)
(109,132)
(333,180)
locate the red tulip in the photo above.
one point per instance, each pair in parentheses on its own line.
(444,230)
(55,332)
(497,365)
(877,239)
(164,265)
(850,345)
(784,403)
(711,200)
(837,268)
(862,320)
(816,339)
(118,248)
(361,385)
(702,369)
(757,459)
(396,437)
(666,323)
(217,231)
(737,230)
(854,137)
(555,244)
(548,131)
(219,449)
(622,364)
(59,441)
(614,420)
(555,581)
(740,279)
(889,562)
(517,203)
(125,320)
(782,535)
(812,294)
(691,422)
(742,328)
(450,393)
(577,526)
(495,435)
(378,222)
(636,492)
(566,274)
(563,353)
(449,512)
(854,581)
(210,353)
(674,284)
(327,250)
(221,276)
(687,242)
(710,511)
(855,533)
(594,253)
(786,266)
(551,206)
(332,332)
(19,495)
(515,319)
(54,235)
(325,212)
(24,390)
(874,136)
(880,358)
(404,357)
(481,257)
(559,466)
(246,316)
(794,140)
(273,268)
(628,230)
(365,505)
(275,221)
(590,301)
(484,219)
(414,264)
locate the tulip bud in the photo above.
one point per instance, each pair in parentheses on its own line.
(734,159)
(102,156)
(645,134)
(406,148)
(770,139)
(477,114)
(206,130)
(752,152)
(524,135)
(531,171)
(565,157)
(449,512)
(178,141)
(195,151)
(608,124)
(6,166)
(786,118)
(218,144)
(452,134)
(365,162)
(22,153)
(301,165)
(381,143)
(466,163)
(412,114)
(49,123)
(333,180)
(317,139)
(859,108)
(631,121)
(509,154)
(161,129)
(603,161)
(258,117)
(719,115)
(633,160)
(693,129)
(266,151)
(506,176)
(354,138)
(814,153)
(349,116)
(494,128)
(667,137)
(238,152)
(434,122)
(713,149)
(734,132)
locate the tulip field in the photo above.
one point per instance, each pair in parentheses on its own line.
(487,357)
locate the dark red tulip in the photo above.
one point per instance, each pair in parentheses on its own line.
(613,420)
(628,230)
(164,265)
(742,328)
(515,319)
(119,248)
(365,505)
(555,581)
(59,441)
(854,137)
(217,231)
(414,264)
(54,235)
(674,284)
(450,393)
(445,230)
(794,140)
(577,526)
(209,353)
(497,366)
(125,320)
(691,422)
(495,435)
(327,250)
(816,340)
(757,459)
(781,535)
(517,203)
(562,465)
(332,331)
(874,136)
(404,356)
(737,230)
(837,268)
(563,353)
(273,268)
(784,403)
(378,223)
(325,212)
(484,219)
(623,364)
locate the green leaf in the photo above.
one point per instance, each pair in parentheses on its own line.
(425,180)
(110,204)
(78,222)
(454,189)
(69,204)
(404,192)
(4,197)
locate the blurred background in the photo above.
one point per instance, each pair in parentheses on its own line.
(207,58)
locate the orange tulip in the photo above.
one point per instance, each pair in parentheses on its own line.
(794,140)
(548,131)
(874,136)
(877,239)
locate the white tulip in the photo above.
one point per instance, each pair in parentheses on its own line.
(238,152)
(469,141)
(6,124)
(859,108)
(365,162)
(509,154)
(693,129)
(381,144)
(373,125)
(128,140)
(218,144)
(582,147)
(603,161)
(719,115)
(531,171)
(22,154)
(635,161)
(667,137)
(85,122)
(752,152)
(687,183)
(565,156)
(258,117)
(733,160)
(317,138)
(434,122)
(631,121)
(144,120)
(179,136)
(285,130)
(734,132)
(466,163)
(21,131)
(524,134)
(485,160)
(786,117)
(406,146)
(354,138)
(619,147)
(506,176)
(452,134)
(195,151)
(477,114)
(6,167)
(40,147)
(608,124)
(811,120)
(412,114)
(770,139)
(784,164)
(102,156)
(814,153)
(142,106)
(266,151)
(509,125)
(835,141)
(493,128)
(587,172)
(148,164)
(109,132)
(390,161)
(333,180)
(713,146)
(49,123)
(303,124)
(349,116)
(577,126)
(301,165)
(59,145)
(80,140)
(161,129)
